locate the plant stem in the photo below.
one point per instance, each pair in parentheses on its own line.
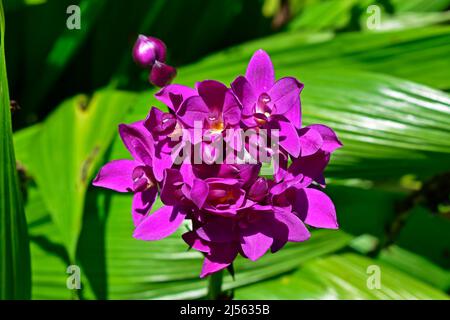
(215,285)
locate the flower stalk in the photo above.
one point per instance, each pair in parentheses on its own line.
(215,285)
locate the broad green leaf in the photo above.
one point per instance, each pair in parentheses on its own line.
(408,20)
(329,15)
(48,254)
(419,55)
(420,5)
(66,150)
(344,276)
(416,266)
(15,275)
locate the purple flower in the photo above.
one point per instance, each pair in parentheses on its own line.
(251,233)
(175,194)
(233,211)
(215,107)
(270,104)
(132,175)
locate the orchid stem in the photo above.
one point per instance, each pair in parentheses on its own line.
(215,285)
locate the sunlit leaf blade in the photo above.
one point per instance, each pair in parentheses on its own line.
(15,275)
(419,5)
(69,145)
(344,276)
(416,266)
(419,55)
(409,20)
(323,15)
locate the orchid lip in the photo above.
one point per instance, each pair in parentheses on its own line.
(142,178)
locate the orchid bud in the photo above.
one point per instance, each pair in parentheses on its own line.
(161,74)
(147,50)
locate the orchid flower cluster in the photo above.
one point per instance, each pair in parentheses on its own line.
(231,209)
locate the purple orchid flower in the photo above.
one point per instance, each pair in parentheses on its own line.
(236,216)
(292,187)
(233,211)
(166,128)
(132,175)
(270,104)
(215,108)
(212,111)
(251,233)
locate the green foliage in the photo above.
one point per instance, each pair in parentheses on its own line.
(343,276)
(15,276)
(70,144)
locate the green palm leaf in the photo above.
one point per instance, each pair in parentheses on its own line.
(344,276)
(15,276)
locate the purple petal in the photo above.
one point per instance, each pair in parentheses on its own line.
(195,242)
(171,193)
(280,166)
(248,173)
(231,110)
(258,191)
(315,208)
(297,231)
(220,257)
(244,92)
(116,175)
(173,95)
(192,110)
(199,192)
(137,140)
(187,173)
(310,141)
(162,74)
(288,137)
(160,124)
(285,95)
(330,140)
(254,243)
(310,167)
(162,223)
(213,94)
(161,162)
(218,229)
(295,116)
(260,73)
(142,204)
